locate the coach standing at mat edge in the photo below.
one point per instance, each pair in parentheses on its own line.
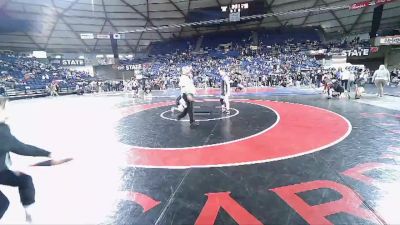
(8,143)
(187,91)
(381,78)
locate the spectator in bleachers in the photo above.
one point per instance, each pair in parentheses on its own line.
(2,91)
(393,74)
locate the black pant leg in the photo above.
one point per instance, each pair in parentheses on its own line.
(345,83)
(190,111)
(183,114)
(23,182)
(4,203)
(185,111)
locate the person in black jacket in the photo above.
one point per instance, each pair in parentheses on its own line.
(2,91)
(8,143)
(225,92)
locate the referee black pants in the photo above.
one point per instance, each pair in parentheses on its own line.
(188,110)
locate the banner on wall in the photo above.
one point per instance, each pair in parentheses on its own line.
(318,52)
(374,49)
(87,36)
(359,5)
(103,36)
(390,40)
(68,62)
(72,62)
(90,36)
(55,61)
(356,52)
(130,67)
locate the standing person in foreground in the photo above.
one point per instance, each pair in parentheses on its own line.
(344,77)
(135,87)
(8,143)
(381,78)
(225,92)
(187,90)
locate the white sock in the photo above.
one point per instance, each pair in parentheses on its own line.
(28,212)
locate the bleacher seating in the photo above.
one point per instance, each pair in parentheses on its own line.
(279,52)
(212,41)
(22,74)
(298,35)
(172,46)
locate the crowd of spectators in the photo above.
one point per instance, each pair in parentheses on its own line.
(29,75)
(287,63)
(22,73)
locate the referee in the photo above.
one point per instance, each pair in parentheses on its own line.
(187,91)
(225,92)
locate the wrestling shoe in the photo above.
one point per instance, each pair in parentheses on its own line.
(194,124)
